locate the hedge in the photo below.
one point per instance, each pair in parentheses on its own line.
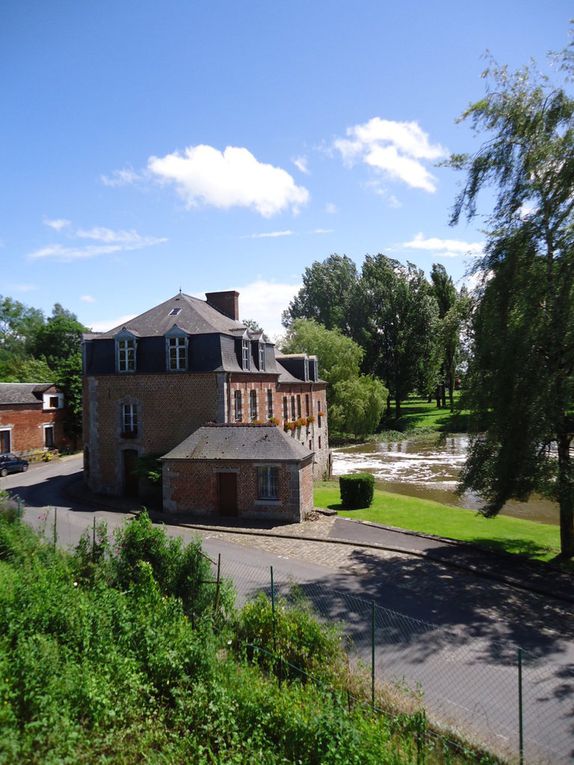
(357,490)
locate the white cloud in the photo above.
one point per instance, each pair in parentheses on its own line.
(302,164)
(264,301)
(331,208)
(87,299)
(232,178)
(124,177)
(57,223)
(318,231)
(270,234)
(446,248)
(110,242)
(21,287)
(106,324)
(395,149)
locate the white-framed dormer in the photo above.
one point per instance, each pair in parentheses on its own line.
(126,351)
(245,353)
(176,350)
(261,349)
(53,400)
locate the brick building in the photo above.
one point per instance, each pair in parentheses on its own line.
(31,417)
(149,384)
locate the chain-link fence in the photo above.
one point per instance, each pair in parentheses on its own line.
(498,697)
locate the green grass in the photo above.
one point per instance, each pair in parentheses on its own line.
(417,414)
(539,541)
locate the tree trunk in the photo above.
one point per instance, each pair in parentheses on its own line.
(443,395)
(566,497)
(388,405)
(397,408)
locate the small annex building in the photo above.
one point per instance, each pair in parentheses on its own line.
(31,417)
(239,470)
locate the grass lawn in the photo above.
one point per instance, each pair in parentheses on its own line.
(418,413)
(539,541)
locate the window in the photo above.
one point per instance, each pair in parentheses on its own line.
(298,406)
(252,405)
(318,412)
(262,357)
(305,369)
(238,406)
(292,407)
(269,403)
(307,411)
(245,355)
(129,420)
(53,402)
(126,355)
(319,442)
(176,354)
(49,436)
(267,483)
(5,441)
(174,311)
(285,408)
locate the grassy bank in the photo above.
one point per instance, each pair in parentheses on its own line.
(131,653)
(536,540)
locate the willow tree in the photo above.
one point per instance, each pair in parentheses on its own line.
(521,382)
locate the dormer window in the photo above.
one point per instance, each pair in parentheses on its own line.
(126,353)
(174,311)
(245,355)
(262,357)
(176,349)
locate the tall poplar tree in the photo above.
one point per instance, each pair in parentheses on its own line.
(521,382)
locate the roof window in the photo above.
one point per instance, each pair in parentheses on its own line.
(174,311)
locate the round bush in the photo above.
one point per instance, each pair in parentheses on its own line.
(356,490)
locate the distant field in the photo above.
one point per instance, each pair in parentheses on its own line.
(539,541)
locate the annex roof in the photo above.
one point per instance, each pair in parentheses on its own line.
(191,314)
(23,393)
(240,441)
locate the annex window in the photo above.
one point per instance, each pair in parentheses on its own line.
(267,483)
(285,408)
(126,355)
(262,357)
(129,420)
(5,441)
(238,406)
(269,403)
(49,436)
(252,405)
(245,355)
(176,354)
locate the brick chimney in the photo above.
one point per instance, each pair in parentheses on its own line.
(226,303)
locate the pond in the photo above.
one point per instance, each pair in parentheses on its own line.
(428,468)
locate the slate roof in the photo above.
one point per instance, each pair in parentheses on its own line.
(240,441)
(23,393)
(196,317)
(284,375)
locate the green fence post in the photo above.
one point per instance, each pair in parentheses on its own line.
(520,712)
(373,654)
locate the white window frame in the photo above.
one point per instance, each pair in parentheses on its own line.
(262,357)
(267,483)
(269,403)
(9,431)
(125,343)
(129,416)
(245,354)
(253,405)
(49,426)
(176,362)
(238,406)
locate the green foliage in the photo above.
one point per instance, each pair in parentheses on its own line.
(327,294)
(357,490)
(521,382)
(149,467)
(308,649)
(25,369)
(358,405)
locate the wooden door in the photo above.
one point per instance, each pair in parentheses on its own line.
(227,492)
(131,478)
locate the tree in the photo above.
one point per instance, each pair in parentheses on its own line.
(252,325)
(521,382)
(68,377)
(355,401)
(59,338)
(395,322)
(326,295)
(19,323)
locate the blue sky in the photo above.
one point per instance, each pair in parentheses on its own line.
(148,146)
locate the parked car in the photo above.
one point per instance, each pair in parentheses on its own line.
(10,463)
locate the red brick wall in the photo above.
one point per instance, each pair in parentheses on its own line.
(26,424)
(170,408)
(192,487)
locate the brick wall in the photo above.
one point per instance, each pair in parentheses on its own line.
(169,408)
(26,426)
(191,486)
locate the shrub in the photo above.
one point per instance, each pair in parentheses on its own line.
(357,490)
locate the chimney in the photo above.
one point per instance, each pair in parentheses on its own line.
(226,303)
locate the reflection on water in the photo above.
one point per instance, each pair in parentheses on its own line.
(428,469)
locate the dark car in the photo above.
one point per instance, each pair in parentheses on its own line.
(10,463)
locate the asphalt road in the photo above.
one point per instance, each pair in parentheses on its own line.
(450,635)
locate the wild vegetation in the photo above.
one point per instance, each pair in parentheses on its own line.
(129,651)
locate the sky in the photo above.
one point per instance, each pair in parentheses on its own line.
(148,147)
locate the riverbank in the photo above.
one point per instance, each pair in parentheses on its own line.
(537,541)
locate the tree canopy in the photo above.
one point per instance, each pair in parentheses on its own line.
(521,382)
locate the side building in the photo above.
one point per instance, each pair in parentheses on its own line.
(31,417)
(186,363)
